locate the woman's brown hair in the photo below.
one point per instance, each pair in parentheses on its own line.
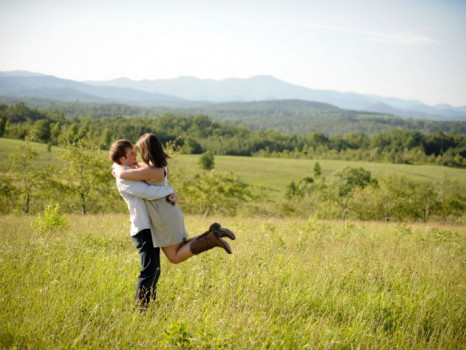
(151,150)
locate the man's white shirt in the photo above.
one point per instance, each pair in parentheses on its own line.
(134,193)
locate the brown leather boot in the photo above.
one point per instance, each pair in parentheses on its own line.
(224,232)
(206,242)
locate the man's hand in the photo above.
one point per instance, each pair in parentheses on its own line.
(172,198)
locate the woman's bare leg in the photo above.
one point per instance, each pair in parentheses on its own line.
(180,252)
(177,253)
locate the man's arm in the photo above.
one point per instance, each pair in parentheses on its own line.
(142,190)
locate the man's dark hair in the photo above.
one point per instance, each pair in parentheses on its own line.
(118,150)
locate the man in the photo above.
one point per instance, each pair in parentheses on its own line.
(134,193)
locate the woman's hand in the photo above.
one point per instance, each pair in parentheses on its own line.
(172,198)
(117,170)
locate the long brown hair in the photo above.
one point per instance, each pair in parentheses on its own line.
(151,150)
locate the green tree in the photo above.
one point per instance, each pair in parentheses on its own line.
(105,139)
(344,182)
(451,201)
(88,175)
(317,170)
(316,139)
(2,127)
(55,131)
(7,194)
(69,136)
(41,131)
(426,201)
(25,174)
(395,198)
(300,189)
(191,146)
(207,161)
(213,192)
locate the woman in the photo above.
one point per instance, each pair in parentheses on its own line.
(167,221)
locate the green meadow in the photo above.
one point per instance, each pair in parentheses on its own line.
(275,174)
(301,284)
(270,174)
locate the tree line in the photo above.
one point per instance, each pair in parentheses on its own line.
(198,134)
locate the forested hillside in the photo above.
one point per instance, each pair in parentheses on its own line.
(286,116)
(301,117)
(197,134)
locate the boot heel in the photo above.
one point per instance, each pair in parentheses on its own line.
(214,226)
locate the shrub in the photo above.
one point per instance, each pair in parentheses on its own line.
(50,220)
(207,161)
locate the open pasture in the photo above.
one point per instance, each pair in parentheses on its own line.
(289,285)
(274,174)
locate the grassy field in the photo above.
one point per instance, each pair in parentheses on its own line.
(257,171)
(289,285)
(8,146)
(272,174)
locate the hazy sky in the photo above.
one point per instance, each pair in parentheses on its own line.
(412,49)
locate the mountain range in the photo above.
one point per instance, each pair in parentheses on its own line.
(189,92)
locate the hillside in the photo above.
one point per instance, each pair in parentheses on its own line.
(295,117)
(300,117)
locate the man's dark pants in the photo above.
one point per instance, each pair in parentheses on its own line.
(150,267)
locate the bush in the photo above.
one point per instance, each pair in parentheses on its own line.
(50,220)
(207,161)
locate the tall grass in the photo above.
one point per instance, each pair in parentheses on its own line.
(301,284)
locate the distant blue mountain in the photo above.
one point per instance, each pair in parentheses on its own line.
(194,92)
(43,86)
(262,88)
(20,73)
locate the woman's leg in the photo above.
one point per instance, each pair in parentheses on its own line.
(177,253)
(213,238)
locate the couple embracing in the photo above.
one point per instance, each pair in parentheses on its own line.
(156,220)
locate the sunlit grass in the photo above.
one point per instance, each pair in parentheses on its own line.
(8,146)
(288,285)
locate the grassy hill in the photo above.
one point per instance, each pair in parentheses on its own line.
(272,174)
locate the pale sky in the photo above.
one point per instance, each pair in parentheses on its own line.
(411,49)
